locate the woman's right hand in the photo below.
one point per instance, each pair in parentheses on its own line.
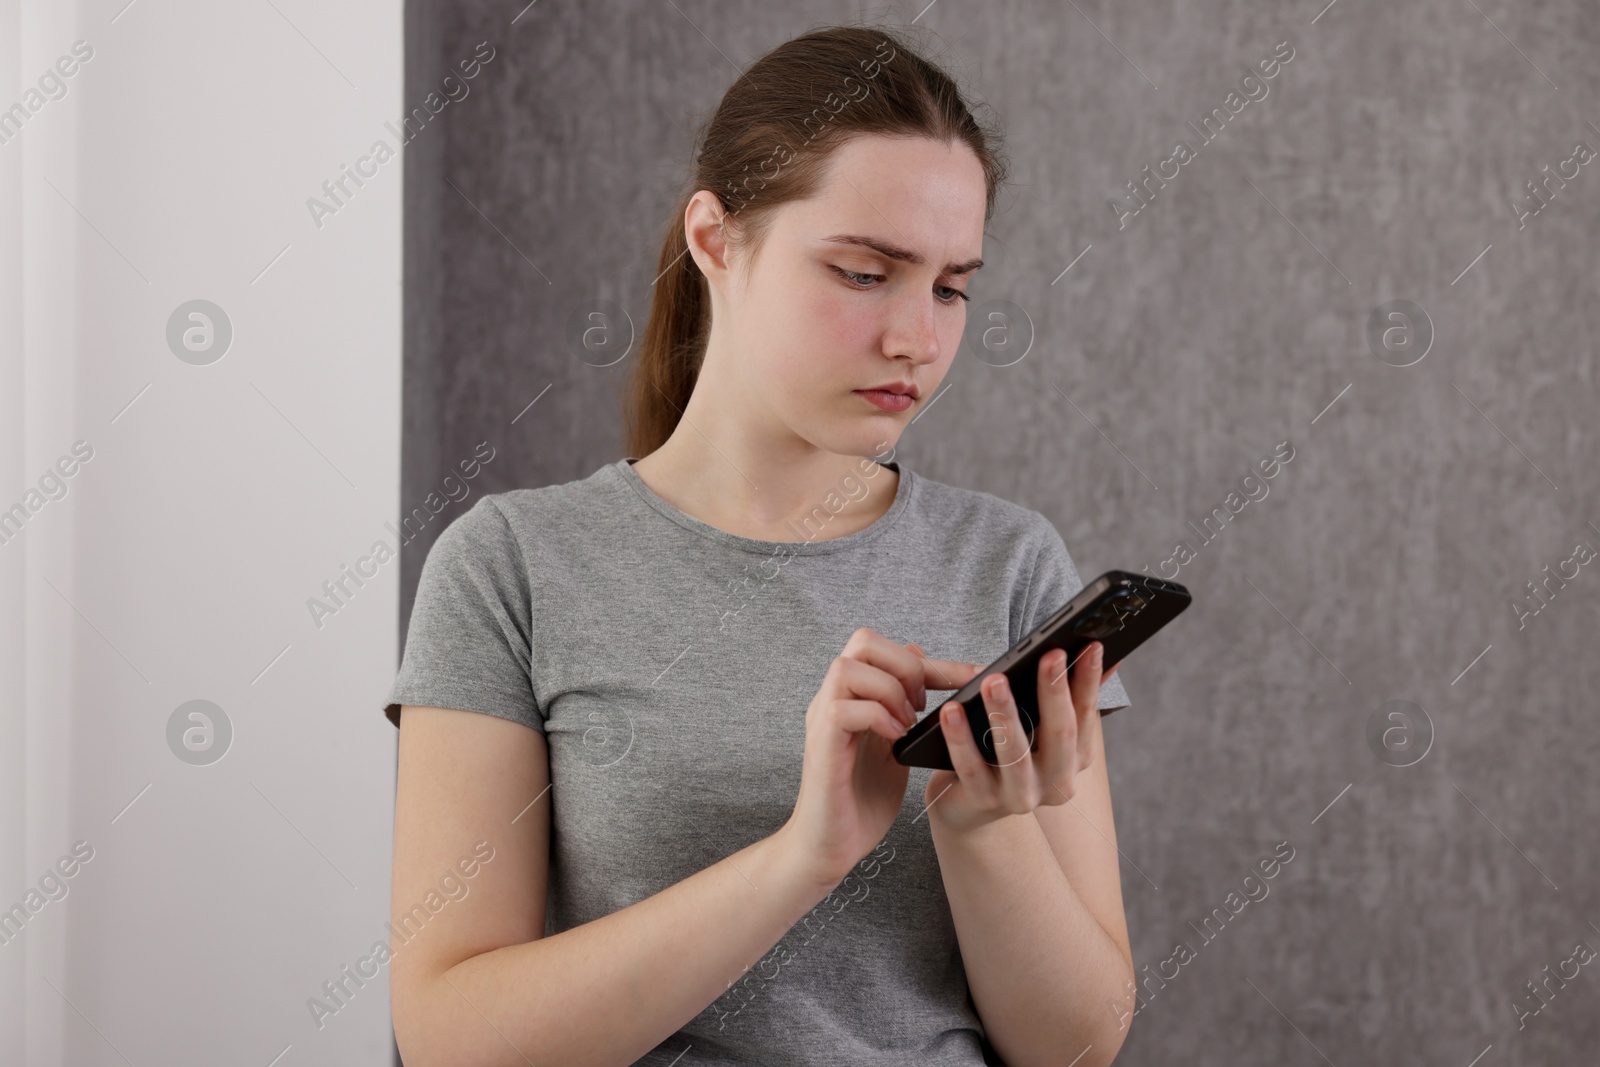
(851,786)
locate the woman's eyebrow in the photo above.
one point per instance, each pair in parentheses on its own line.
(905,255)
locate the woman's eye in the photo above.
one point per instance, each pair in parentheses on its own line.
(851,276)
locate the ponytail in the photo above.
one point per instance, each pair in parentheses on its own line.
(673,345)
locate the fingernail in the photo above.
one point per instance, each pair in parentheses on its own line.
(1099,653)
(1002,688)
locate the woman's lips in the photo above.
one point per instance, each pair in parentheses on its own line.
(886,400)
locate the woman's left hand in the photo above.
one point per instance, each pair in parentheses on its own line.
(1065,741)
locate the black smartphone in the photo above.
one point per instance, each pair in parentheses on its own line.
(1119,609)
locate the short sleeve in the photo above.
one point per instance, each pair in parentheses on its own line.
(468,644)
(1055,581)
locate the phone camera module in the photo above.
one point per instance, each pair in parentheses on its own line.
(1100,624)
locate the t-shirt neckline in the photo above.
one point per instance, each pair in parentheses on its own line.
(902,498)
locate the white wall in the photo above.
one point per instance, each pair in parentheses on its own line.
(218,498)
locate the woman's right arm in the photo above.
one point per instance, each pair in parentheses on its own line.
(479,984)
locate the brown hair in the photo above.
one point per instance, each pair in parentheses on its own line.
(768,143)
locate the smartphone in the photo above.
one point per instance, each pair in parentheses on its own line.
(1119,609)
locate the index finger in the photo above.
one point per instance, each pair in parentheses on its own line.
(892,657)
(945,673)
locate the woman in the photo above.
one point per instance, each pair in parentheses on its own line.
(654,850)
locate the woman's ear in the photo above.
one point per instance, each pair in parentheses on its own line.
(705,232)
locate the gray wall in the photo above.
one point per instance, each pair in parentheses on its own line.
(1229,315)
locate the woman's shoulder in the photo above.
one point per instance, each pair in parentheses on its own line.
(981,514)
(515,516)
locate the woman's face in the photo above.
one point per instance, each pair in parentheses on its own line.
(858,287)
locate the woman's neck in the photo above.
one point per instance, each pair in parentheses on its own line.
(814,497)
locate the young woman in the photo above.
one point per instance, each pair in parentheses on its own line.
(647,809)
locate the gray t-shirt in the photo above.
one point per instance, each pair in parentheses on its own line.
(669,665)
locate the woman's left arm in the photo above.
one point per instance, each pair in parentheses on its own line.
(1028,856)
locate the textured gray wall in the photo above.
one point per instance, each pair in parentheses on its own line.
(1229,315)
